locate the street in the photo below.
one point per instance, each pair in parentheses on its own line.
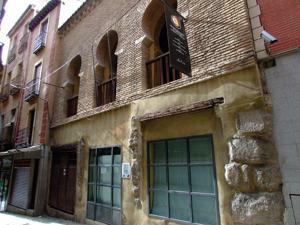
(15,219)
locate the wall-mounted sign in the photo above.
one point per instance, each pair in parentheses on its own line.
(178,46)
(126,170)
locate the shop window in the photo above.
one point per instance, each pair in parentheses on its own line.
(157,51)
(74,82)
(106,69)
(104,185)
(181,180)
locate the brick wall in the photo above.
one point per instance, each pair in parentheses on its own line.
(281,18)
(219,39)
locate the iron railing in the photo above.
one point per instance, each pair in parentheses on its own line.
(159,71)
(106,91)
(22,138)
(15,85)
(39,43)
(72,104)
(32,90)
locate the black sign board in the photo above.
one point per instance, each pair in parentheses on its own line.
(178,46)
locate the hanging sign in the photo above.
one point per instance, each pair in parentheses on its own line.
(178,46)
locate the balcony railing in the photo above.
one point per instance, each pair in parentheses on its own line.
(15,85)
(159,71)
(32,90)
(11,54)
(4,95)
(72,104)
(22,138)
(106,91)
(6,139)
(23,43)
(39,43)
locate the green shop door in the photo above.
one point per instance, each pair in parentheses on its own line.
(104,185)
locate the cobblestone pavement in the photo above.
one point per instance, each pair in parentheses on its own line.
(15,219)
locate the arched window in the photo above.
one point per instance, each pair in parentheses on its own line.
(106,69)
(157,60)
(73,91)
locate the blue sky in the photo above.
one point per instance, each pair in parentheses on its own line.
(13,12)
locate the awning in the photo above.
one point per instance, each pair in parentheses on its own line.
(29,152)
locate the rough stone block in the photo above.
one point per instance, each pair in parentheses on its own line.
(262,208)
(255,22)
(254,11)
(248,150)
(259,45)
(254,121)
(268,178)
(251,3)
(256,32)
(239,177)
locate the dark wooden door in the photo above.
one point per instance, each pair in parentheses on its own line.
(63,181)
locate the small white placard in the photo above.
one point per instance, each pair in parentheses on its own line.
(126,170)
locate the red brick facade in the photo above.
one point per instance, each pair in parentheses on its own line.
(281,18)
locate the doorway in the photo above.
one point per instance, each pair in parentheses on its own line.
(63,180)
(5,169)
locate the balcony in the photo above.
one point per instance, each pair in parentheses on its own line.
(23,43)
(106,91)
(159,71)
(15,85)
(4,95)
(22,139)
(32,90)
(11,54)
(39,43)
(72,106)
(6,139)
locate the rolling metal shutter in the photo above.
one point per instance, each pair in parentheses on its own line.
(20,189)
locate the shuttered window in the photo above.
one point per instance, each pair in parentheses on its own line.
(181,180)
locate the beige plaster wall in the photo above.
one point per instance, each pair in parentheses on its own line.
(114,128)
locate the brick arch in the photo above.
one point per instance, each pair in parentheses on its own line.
(157,70)
(73,72)
(153,18)
(74,66)
(102,51)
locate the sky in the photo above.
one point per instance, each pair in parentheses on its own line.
(15,8)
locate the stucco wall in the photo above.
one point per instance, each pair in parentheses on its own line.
(283,82)
(240,91)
